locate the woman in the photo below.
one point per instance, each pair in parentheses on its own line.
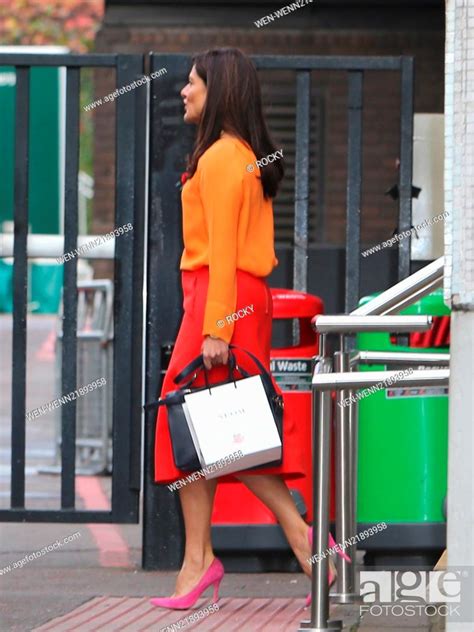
(228,252)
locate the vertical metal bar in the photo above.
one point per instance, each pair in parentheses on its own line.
(141,175)
(321,220)
(20,284)
(406,164)
(303,114)
(170,138)
(345,592)
(124,500)
(353,458)
(321,428)
(354,189)
(69,346)
(322,449)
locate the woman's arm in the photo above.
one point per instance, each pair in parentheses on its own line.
(221,188)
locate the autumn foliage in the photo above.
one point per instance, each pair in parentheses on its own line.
(71,23)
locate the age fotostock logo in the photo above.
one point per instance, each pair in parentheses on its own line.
(414,593)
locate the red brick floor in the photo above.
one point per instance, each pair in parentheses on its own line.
(110,614)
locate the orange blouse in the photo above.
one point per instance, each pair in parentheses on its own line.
(227,224)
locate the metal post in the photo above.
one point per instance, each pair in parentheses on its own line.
(353,454)
(163,530)
(406,164)
(322,403)
(354,188)
(345,499)
(303,124)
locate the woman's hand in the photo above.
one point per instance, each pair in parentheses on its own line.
(215,351)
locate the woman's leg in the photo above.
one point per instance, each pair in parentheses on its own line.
(273,492)
(197,499)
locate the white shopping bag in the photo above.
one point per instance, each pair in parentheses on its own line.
(229,418)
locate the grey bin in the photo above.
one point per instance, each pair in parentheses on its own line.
(94,361)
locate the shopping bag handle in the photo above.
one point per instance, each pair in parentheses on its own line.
(266,377)
(198,364)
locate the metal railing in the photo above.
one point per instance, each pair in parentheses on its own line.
(52,246)
(406,292)
(393,357)
(95,342)
(373,316)
(130,131)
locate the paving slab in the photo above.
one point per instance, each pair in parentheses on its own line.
(138,615)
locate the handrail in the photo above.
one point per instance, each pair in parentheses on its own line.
(352,324)
(405,292)
(355,380)
(400,357)
(375,315)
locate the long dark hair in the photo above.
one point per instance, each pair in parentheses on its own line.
(234,105)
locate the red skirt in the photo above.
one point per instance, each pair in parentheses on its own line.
(252,332)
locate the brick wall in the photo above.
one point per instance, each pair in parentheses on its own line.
(459,155)
(381,101)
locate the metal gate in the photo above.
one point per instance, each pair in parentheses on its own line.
(130,143)
(170,141)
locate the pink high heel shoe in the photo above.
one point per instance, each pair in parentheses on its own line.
(331,575)
(213,576)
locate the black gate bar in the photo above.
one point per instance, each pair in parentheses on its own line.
(303,128)
(126,419)
(354,189)
(69,324)
(20,281)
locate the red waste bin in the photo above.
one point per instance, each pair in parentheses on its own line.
(291,367)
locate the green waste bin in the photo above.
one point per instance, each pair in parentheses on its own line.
(402,458)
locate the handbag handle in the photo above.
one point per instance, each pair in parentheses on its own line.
(198,364)
(265,375)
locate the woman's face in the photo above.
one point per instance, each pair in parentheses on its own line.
(194,97)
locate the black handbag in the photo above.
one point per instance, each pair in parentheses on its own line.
(184,452)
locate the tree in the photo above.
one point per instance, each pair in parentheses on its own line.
(71,23)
